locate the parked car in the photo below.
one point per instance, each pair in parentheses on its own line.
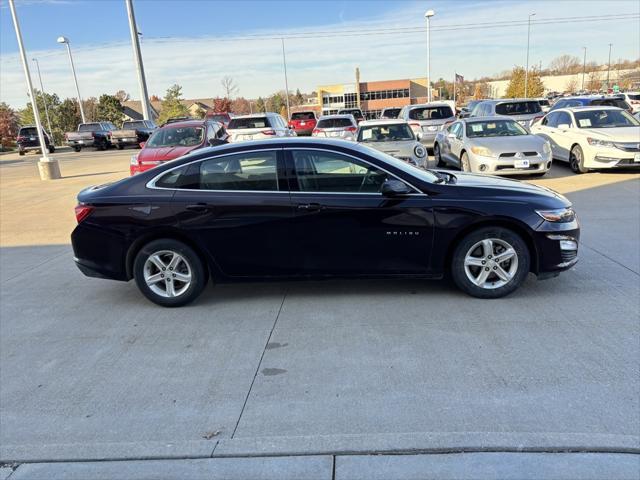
(258,126)
(95,134)
(342,126)
(545,104)
(427,119)
(133,132)
(356,112)
(637,115)
(28,139)
(468,108)
(492,145)
(303,123)
(594,100)
(221,117)
(174,140)
(391,112)
(525,111)
(592,137)
(633,99)
(395,138)
(299,208)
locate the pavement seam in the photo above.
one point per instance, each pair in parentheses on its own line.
(51,259)
(255,375)
(609,258)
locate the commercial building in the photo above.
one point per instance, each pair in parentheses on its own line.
(371,97)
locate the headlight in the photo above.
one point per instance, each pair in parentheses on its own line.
(134,160)
(561,215)
(483,151)
(599,143)
(546,148)
(420,151)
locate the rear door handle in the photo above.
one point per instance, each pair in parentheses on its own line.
(310,207)
(198,207)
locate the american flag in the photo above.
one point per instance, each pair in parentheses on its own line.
(459,78)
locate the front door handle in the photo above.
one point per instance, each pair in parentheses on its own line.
(310,207)
(198,207)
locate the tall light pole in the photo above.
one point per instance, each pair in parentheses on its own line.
(584,66)
(44,99)
(47,166)
(428,14)
(135,41)
(609,67)
(286,82)
(65,40)
(526,72)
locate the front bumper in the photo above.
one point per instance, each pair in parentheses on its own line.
(557,245)
(610,157)
(538,164)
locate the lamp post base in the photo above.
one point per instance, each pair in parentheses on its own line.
(49,169)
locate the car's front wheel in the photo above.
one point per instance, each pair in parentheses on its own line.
(438,156)
(169,273)
(465,166)
(576,160)
(490,262)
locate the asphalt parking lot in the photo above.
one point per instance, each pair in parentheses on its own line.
(319,373)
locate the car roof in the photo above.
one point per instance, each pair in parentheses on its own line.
(588,108)
(496,101)
(338,115)
(255,115)
(187,123)
(383,121)
(488,118)
(430,104)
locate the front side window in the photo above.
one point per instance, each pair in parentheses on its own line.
(174,136)
(604,119)
(394,132)
(244,171)
(495,128)
(319,171)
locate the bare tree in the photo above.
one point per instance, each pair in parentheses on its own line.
(565,64)
(122,96)
(230,86)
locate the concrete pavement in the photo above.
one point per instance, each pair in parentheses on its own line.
(92,371)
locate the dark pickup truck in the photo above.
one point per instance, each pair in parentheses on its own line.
(133,132)
(96,135)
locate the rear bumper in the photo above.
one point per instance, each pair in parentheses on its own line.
(125,140)
(81,143)
(99,253)
(303,131)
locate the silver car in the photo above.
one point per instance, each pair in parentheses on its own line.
(336,126)
(258,126)
(394,137)
(427,119)
(525,111)
(492,145)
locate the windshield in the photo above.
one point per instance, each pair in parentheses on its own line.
(385,133)
(414,171)
(633,96)
(170,137)
(303,116)
(430,113)
(133,125)
(335,123)
(605,119)
(89,127)
(518,108)
(495,128)
(249,122)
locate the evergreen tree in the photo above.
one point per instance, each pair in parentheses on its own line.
(171,105)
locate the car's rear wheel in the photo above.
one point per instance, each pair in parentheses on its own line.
(438,156)
(120,147)
(490,262)
(52,149)
(465,166)
(576,160)
(21,152)
(77,149)
(169,273)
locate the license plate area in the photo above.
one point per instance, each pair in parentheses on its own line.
(521,163)
(636,158)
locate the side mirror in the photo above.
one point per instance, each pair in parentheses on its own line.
(392,187)
(451,136)
(419,136)
(564,127)
(142,144)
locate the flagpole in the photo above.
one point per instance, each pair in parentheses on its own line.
(455,78)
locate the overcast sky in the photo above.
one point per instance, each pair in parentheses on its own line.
(196,43)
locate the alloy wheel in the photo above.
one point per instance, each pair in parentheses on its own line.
(167,273)
(491,263)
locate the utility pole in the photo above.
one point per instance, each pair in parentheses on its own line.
(47,166)
(286,82)
(65,40)
(44,99)
(428,14)
(609,67)
(584,66)
(526,72)
(137,55)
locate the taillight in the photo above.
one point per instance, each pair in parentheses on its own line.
(414,124)
(82,212)
(269,132)
(315,132)
(19,139)
(351,129)
(93,134)
(535,119)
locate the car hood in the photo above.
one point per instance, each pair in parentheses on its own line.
(162,154)
(619,134)
(522,143)
(403,148)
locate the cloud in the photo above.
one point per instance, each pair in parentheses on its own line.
(199,63)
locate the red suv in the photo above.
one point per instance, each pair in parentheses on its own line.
(303,123)
(174,140)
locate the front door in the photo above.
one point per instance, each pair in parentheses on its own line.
(345,226)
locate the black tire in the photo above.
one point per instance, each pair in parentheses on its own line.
(77,149)
(21,152)
(52,149)
(438,157)
(101,146)
(120,147)
(465,166)
(576,160)
(493,288)
(198,272)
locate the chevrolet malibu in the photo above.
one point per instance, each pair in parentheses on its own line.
(309,208)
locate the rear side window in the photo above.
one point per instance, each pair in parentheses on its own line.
(244,171)
(518,108)
(335,123)
(249,122)
(303,116)
(173,179)
(430,113)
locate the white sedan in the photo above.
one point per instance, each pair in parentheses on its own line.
(592,137)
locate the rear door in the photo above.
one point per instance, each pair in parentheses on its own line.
(238,208)
(345,226)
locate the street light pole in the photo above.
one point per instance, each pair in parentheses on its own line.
(47,166)
(609,67)
(526,72)
(584,66)
(135,41)
(286,82)
(65,40)
(44,99)
(428,14)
